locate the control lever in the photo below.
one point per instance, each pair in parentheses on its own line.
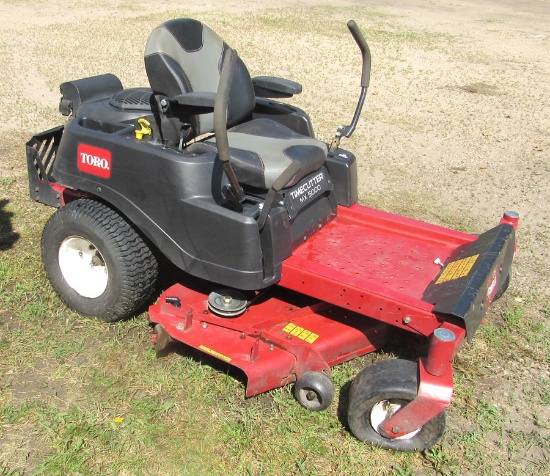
(347,131)
(234,192)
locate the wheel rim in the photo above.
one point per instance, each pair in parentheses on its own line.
(310,398)
(383,411)
(83,267)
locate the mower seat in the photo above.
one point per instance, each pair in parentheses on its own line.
(183,60)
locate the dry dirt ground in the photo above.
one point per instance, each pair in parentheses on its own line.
(460,130)
(455,128)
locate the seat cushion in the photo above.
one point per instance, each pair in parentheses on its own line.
(262,149)
(184,55)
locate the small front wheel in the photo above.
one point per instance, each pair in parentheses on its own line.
(380,391)
(314,391)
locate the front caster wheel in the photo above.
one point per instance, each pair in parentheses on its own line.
(378,392)
(98,264)
(314,391)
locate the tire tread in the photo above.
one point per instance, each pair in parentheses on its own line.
(137,261)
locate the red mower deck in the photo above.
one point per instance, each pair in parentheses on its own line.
(275,340)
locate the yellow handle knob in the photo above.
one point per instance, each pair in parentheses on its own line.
(145,129)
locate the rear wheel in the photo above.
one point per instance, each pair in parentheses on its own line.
(378,392)
(97,262)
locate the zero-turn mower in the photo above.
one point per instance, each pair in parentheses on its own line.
(285,274)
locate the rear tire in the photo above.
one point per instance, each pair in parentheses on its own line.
(97,262)
(378,392)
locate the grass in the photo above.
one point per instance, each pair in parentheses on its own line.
(99,402)
(84,397)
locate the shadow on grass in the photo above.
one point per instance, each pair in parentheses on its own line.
(7,236)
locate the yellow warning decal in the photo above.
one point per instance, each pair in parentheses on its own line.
(214,353)
(301,333)
(457,269)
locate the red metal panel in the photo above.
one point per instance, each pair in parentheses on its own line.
(276,340)
(266,366)
(374,263)
(67,194)
(373,266)
(335,334)
(434,395)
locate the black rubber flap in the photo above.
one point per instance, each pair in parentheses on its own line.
(472,277)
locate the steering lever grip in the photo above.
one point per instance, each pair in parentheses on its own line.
(365,52)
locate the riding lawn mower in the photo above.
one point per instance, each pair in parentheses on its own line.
(284,274)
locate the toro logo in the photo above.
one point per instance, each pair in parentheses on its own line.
(93,160)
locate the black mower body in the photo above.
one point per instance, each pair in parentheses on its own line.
(175,198)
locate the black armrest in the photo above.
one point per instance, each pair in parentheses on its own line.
(196,102)
(74,93)
(271,87)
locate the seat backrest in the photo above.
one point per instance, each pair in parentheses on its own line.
(184,55)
